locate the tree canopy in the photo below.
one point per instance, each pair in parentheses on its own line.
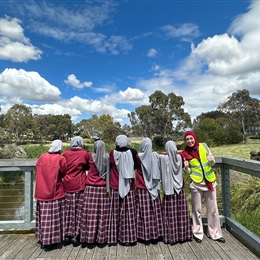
(242,109)
(164,116)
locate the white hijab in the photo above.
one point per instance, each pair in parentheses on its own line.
(171,169)
(150,167)
(56,146)
(125,165)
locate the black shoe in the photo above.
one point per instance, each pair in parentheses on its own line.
(66,241)
(112,244)
(197,239)
(154,241)
(75,242)
(101,245)
(221,240)
(124,244)
(48,248)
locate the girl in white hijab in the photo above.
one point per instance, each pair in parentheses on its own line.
(74,184)
(122,220)
(51,168)
(176,217)
(148,205)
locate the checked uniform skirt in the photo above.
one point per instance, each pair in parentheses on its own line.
(149,216)
(95,215)
(50,221)
(122,219)
(176,218)
(73,208)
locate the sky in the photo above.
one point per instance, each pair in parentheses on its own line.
(107,57)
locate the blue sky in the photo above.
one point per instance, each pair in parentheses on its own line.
(108,57)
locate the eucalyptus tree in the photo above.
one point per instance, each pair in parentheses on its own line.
(165,116)
(19,120)
(49,126)
(242,109)
(96,126)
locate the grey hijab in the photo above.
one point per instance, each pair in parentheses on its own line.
(101,159)
(56,146)
(171,169)
(150,167)
(77,142)
(125,166)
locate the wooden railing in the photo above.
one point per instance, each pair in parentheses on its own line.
(226,164)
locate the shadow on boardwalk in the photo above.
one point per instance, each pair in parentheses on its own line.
(24,246)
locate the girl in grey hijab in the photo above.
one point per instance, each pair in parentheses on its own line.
(122,219)
(148,205)
(101,159)
(176,217)
(96,205)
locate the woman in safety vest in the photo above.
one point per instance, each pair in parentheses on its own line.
(198,162)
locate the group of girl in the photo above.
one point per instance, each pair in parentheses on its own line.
(122,197)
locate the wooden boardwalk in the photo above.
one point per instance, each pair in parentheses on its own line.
(24,246)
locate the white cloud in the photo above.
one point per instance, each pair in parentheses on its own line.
(74,82)
(26,86)
(14,45)
(94,107)
(184,30)
(216,67)
(152,53)
(75,25)
(130,95)
(55,109)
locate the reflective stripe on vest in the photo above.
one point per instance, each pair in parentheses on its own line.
(198,168)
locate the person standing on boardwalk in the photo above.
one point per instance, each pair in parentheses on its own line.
(198,162)
(96,206)
(74,185)
(148,204)
(176,217)
(122,219)
(51,168)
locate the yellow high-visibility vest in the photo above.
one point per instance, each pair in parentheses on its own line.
(199,167)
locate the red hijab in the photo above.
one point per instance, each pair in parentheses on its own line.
(188,152)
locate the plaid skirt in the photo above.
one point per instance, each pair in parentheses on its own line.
(176,218)
(95,215)
(122,218)
(149,216)
(73,207)
(50,221)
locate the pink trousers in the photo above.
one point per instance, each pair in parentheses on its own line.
(198,193)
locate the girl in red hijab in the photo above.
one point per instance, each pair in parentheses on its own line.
(198,162)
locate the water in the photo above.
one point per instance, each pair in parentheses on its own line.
(11,201)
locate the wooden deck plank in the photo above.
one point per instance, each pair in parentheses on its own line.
(187,248)
(15,248)
(6,242)
(211,249)
(19,246)
(28,250)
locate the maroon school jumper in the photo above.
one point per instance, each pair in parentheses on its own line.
(148,210)
(49,193)
(95,209)
(122,219)
(74,185)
